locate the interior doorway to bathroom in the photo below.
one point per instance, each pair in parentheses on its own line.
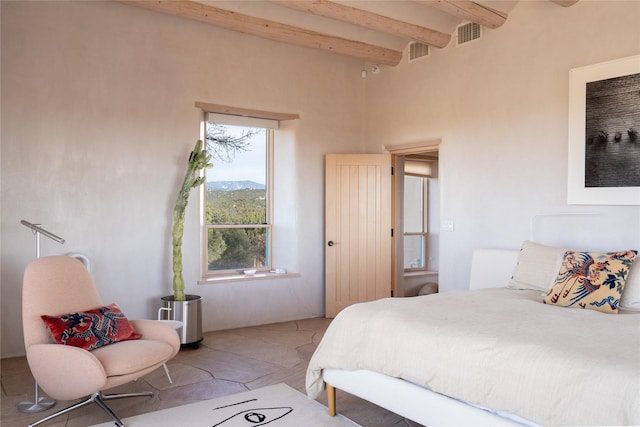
(416,217)
(420,219)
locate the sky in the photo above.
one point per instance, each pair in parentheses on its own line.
(247,166)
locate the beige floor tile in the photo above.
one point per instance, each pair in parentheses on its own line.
(181,374)
(256,347)
(229,366)
(227,362)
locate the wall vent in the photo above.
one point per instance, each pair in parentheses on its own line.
(468,32)
(418,50)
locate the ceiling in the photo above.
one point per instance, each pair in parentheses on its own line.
(377,31)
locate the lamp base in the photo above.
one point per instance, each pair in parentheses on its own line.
(42,404)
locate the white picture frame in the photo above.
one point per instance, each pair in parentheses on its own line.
(579,191)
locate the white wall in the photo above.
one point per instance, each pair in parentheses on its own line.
(500,105)
(98,119)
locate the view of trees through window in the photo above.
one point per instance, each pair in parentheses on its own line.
(236,198)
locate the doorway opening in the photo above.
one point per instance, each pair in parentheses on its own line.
(419,206)
(415,252)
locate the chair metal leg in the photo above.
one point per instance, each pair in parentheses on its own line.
(109,411)
(99,399)
(166,370)
(65,410)
(125,395)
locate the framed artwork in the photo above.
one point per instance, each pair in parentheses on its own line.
(604,133)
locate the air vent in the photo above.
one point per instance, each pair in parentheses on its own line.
(418,50)
(468,32)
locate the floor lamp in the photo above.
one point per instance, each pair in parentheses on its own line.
(39,404)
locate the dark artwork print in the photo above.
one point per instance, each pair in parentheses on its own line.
(612,152)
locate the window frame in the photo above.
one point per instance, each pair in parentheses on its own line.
(269,126)
(424,182)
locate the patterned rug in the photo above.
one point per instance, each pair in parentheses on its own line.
(276,406)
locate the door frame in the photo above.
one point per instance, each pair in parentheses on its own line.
(398,151)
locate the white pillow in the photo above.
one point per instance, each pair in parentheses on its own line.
(537,267)
(630,299)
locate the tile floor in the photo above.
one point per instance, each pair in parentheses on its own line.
(226,362)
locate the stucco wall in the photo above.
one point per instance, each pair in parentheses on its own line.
(500,105)
(98,119)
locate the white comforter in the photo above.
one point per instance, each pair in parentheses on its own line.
(498,348)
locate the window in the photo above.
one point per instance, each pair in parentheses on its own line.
(237,202)
(415,222)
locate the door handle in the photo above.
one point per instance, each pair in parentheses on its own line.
(330,243)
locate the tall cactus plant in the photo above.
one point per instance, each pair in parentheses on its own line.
(198,160)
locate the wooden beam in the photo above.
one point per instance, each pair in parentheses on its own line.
(423,158)
(270,30)
(245,112)
(469,10)
(366,19)
(426,146)
(565,3)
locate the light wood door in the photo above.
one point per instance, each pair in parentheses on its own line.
(357,229)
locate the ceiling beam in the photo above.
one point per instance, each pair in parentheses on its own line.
(366,19)
(469,10)
(270,30)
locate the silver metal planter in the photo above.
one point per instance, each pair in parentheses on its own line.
(188,312)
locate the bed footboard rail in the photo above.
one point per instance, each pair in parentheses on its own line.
(411,400)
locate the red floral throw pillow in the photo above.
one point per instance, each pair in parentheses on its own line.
(91,329)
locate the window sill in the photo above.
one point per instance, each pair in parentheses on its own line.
(245,278)
(420,273)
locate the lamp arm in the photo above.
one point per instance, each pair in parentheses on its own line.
(39,229)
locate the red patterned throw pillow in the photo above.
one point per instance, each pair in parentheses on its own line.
(91,329)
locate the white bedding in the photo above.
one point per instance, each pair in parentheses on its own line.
(498,348)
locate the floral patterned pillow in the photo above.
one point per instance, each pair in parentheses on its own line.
(91,329)
(591,280)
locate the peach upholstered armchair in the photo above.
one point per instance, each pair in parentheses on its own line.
(76,346)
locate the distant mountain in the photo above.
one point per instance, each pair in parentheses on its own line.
(234,185)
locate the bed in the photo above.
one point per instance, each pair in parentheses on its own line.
(494,355)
